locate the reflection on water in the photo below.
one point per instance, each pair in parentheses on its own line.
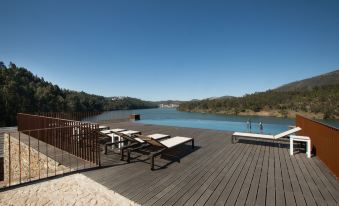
(172,117)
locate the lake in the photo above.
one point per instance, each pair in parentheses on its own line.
(172,117)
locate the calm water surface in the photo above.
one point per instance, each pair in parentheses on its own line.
(172,117)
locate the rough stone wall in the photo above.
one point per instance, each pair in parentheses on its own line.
(1,169)
(31,167)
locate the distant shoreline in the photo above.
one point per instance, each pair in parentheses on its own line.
(265,113)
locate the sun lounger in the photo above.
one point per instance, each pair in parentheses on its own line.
(130,132)
(118,130)
(103,127)
(132,137)
(109,131)
(158,136)
(263,136)
(126,140)
(104,132)
(122,133)
(160,146)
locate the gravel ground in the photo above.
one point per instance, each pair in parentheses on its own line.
(74,189)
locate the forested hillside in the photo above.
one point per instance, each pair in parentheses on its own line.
(331,78)
(320,102)
(21,91)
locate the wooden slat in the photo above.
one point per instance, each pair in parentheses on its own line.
(183,197)
(289,196)
(298,195)
(245,162)
(253,190)
(327,181)
(279,188)
(270,196)
(312,185)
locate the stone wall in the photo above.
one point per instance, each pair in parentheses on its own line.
(1,169)
(31,165)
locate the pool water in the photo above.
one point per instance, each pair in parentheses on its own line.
(172,117)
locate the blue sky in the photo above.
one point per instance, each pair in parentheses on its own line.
(157,50)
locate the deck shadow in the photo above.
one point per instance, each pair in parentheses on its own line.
(271,143)
(167,158)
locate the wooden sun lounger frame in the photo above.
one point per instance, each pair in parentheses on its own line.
(264,136)
(160,148)
(126,139)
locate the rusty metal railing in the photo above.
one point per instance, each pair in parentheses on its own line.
(45,146)
(324,140)
(75,137)
(77,116)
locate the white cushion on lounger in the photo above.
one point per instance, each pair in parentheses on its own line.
(130,132)
(103,127)
(174,141)
(266,136)
(288,132)
(118,130)
(106,131)
(139,140)
(244,134)
(112,135)
(158,136)
(115,135)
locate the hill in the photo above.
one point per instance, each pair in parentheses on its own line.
(167,102)
(222,97)
(311,97)
(21,91)
(330,78)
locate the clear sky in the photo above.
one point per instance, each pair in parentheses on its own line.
(175,49)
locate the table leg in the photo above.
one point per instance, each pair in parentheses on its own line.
(120,144)
(113,141)
(291,146)
(308,149)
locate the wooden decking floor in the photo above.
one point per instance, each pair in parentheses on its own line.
(218,172)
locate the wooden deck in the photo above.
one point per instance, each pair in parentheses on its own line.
(219,173)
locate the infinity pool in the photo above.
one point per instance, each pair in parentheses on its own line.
(172,117)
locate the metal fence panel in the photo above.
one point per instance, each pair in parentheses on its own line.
(324,140)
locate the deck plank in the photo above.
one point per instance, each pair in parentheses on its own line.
(302,183)
(325,181)
(189,189)
(235,191)
(175,184)
(299,198)
(318,181)
(279,188)
(175,179)
(232,159)
(261,195)
(270,196)
(214,189)
(242,197)
(288,191)
(312,185)
(204,182)
(227,188)
(253,190)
